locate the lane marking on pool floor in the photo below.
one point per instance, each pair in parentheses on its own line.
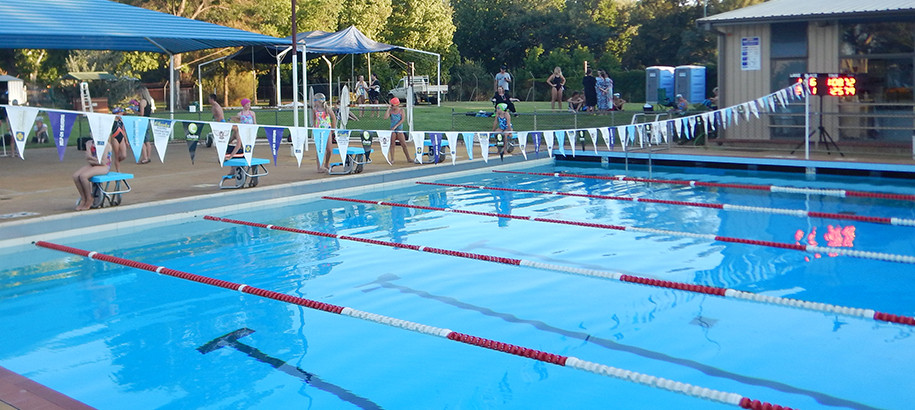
(711,205)
(840,193)
(888,257)
(595,273)
(674,386)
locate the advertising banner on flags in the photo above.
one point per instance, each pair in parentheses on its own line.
(418,138)
(366,138)
(435,138)
(538,137)
(484,145)
(452,148)
(274,137)
(100,126)
(61,125)
(342,144)
(20,122)
(192,131)
(161,130)
(320,135)
(136,128)
(248,134)
(299,142)
(468,143)
(384,139)
(608,137)
(222,134)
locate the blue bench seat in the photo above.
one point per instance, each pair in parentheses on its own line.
(107,189)
(356,158)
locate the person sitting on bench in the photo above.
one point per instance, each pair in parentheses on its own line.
(97,165)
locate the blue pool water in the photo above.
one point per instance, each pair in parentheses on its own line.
(109,335)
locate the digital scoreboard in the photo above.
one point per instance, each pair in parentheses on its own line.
(826,85)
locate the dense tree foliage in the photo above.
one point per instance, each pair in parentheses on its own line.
(474,37)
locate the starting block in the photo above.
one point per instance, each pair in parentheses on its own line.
(430,152)
(356,158)
(107,189)
(243,173)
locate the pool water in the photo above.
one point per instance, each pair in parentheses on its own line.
(108,335)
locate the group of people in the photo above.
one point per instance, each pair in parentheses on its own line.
(115,151)
(596,95)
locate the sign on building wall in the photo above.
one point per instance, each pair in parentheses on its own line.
(749,53)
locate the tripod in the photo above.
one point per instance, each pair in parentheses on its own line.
(824,138)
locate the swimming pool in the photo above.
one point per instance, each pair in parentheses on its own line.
(107,334)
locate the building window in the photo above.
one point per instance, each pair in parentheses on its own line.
(789,56)
(882,55)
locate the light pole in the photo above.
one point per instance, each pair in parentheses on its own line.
(295,77)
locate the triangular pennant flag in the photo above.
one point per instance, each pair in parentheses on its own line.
(550,137)
(571,135)
(538,138)
(469,138)
(136,128)
(452,140)
(366,138)
(436,140)
(418,138)
(522,143)
(640,130)
(746,110)
(608,137)
(222,134)
(100,127)
(274,137)
(771,102)
(248,134)
(61,125)
(593,133)
(678,127)
(20,122)
(299,142)
(384,138)
(705,125)
(484,145)
(754,109)
(342,144)
(320,135)
(560,141)
(192,149)
(162,130)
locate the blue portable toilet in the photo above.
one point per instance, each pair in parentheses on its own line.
(690,82)
(658,77)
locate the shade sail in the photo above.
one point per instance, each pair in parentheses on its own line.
(106,25)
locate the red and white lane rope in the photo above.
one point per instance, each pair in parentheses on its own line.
(889,257)
(841,193)
(566,361)
(595,273)
(725,207)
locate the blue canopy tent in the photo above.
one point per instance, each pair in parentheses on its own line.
(107,25)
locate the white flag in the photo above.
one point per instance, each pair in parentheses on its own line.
(222,133)
(21,120)
(418,138)
(342,144)
(484,145)
(522,143)
(384,138)
(452,140)
(248,134)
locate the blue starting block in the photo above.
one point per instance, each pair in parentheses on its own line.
(243,173)
(107,189)
(356,158)
(430,152)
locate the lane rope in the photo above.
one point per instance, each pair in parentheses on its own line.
(539,355)
(622,277)
(882,256)
(725,207)
(841,193)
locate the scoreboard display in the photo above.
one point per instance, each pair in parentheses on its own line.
(826,85)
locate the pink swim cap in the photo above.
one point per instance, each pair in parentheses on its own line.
(245,101)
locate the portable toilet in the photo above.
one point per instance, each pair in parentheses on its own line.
(690,82)
(658,77)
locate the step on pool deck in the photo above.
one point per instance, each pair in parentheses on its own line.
(18,392)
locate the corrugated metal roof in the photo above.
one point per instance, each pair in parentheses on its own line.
(106,25)
(795,10)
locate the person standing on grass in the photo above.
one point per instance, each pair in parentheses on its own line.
(557,84)
(590,89)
